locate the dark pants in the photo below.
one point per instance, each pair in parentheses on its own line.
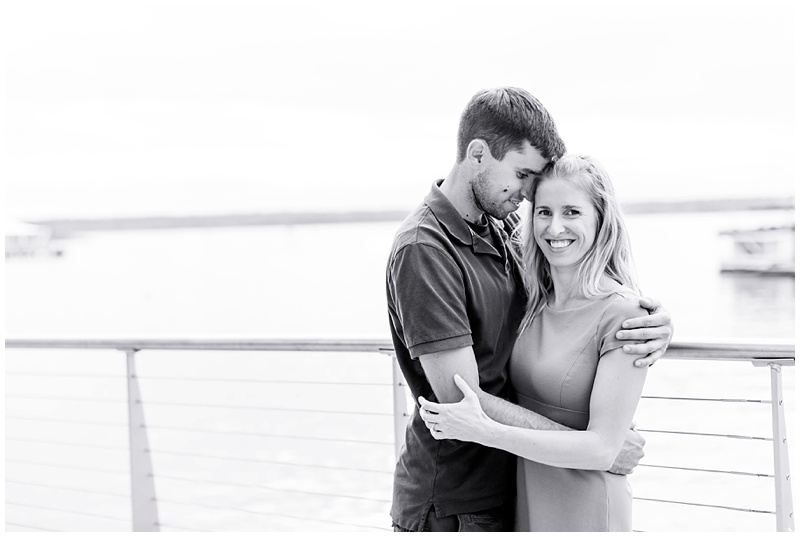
(495,519)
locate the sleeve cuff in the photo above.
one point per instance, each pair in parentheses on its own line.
(430,347)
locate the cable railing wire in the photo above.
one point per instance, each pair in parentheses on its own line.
(198,405)
(271,514)
(27,527)
(707,399)
(69,467)
(55,509)
(61,420)
(696,504)
(695,433)
(65,398)
(273,489)
(271,409)
(266,381)
(261,461)
(709,470)
(69,489)
(60,375)
(176,527)
(72,444)
(267,435)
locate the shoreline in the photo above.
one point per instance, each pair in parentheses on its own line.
(64,226)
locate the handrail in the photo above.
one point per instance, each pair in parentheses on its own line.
(745,350)
(213,343)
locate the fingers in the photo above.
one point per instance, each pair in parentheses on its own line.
(662,318)
(651,358)
(463,386)
(427,415)
(651,304)
(428,405)
(430,419)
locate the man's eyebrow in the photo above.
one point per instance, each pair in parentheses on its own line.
(530,171)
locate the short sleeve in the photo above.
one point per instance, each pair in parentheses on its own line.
(430,300)
(622,308)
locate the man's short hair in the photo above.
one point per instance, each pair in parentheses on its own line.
(505,118)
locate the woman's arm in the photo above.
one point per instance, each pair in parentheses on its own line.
(615,395)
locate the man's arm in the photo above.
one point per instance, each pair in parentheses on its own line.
(441,367)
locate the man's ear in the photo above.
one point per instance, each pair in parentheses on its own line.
(477,152)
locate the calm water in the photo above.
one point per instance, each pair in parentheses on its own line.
(327,280)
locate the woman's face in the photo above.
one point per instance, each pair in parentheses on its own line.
(564,222)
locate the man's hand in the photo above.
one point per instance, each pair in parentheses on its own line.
(656,329)
(632,452)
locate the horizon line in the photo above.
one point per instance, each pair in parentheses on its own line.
(64,226)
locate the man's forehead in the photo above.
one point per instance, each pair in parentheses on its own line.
(528,159)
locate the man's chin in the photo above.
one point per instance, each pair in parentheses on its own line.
(499,214)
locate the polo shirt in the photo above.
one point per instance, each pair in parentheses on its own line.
(448,288)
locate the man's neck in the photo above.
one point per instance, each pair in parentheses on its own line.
(457,189)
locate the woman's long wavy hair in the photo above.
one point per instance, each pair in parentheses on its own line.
(610,253)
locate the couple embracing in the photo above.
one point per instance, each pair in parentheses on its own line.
(523,338)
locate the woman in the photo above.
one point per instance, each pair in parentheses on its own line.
(567,364)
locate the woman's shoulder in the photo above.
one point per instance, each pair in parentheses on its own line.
(623,301)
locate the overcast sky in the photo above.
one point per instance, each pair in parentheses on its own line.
(139,108)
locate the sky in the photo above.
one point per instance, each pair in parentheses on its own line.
(146,108)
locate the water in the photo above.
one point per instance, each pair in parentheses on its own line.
(327,280)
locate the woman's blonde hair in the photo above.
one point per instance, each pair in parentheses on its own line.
(609,254)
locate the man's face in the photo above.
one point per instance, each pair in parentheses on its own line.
(501,187)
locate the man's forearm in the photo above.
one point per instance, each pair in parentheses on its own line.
(510,414)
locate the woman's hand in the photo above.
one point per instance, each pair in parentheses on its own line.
(464,420)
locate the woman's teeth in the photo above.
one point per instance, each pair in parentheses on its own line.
(560,244)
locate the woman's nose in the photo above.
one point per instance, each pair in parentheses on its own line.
(556,225)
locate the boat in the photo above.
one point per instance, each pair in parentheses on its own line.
(24,239)
(766,251)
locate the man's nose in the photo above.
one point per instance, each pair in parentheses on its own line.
(527,190)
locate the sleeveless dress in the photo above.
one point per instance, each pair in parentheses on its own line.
(552,371)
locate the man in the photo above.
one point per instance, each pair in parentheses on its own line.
(455,299)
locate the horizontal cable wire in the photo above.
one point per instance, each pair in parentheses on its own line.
(257,381)
(61,420)
(70,489)
(266,435)
(73,444)
(120,519)
(199,405)
(728,507)
(37,528)
(64,398)
(718,435)
(264,487)
(261,461)
(275,409)
(731,472)
(69,375)
(67,467)
(711,400)
(173,526)
(264,513)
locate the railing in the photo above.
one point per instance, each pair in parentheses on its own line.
(145,503)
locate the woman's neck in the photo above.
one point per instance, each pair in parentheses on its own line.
(567,292)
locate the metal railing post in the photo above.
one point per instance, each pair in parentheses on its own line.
(400,406)
(783,486)
(143,492)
